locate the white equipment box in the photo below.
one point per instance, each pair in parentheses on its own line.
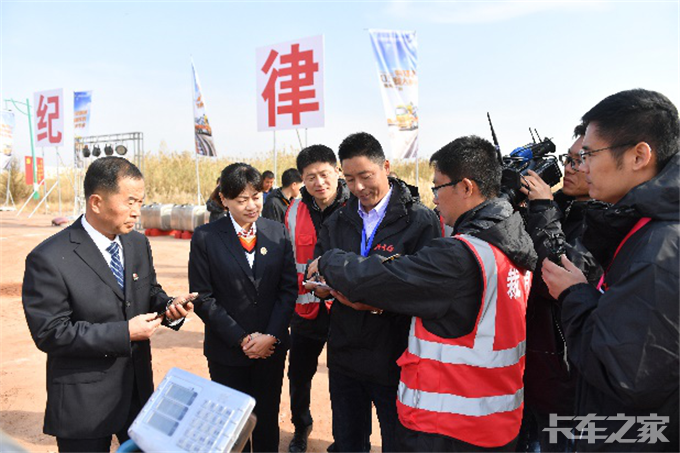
(188,413)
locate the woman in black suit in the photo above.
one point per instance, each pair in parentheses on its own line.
(243,268)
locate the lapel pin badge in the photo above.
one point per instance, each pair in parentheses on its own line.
(263,251)
(135,277)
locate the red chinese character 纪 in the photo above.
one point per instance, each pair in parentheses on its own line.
(42,123)
(300,67)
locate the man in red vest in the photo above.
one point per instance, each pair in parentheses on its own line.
(324,192)
(623,334)
(461,383)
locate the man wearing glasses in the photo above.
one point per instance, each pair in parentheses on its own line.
(553,220)
(461,383)
(382,218)
(622,334)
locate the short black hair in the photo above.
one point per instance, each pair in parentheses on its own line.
(361,144)
(580,130)
(635,116)
(315,154)
(236,177)
(103,175)
(267,174)
(471,157)
(290,176)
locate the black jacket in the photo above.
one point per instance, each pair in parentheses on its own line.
(624,342)
(275,206)
(362,345)
(550,380)
(442,283)
(215,209)
(318,328)
(235,300)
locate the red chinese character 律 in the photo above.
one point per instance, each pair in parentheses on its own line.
(54,115)
(299,68)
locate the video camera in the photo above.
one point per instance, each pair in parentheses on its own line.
(533,156)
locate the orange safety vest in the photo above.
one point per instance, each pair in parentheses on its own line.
(471,388)
(303,236)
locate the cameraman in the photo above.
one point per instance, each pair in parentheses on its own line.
(552,222)
(461,377)
(623,335)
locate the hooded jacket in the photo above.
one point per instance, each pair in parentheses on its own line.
(441,284)
(276,205)
(624,342)
(360,344)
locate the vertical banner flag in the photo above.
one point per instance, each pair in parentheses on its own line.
(82,100)
(396,54)
(6,138)
(40,165)
(290,85)
(202,130)
(49,118)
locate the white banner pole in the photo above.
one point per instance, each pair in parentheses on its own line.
(275,175)
(59,181)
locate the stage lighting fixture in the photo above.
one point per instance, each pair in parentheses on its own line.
(108,150)
(120,149)
(86,151)
(96,152)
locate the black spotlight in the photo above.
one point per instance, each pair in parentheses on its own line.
(96,152)
(120,149)
(86,151)
(108,150)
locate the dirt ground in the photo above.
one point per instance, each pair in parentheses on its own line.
(22,365)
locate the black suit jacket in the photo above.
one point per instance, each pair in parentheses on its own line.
(235,300)
(78,315)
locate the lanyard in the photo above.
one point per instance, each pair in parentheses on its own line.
(602,286)
(366,244)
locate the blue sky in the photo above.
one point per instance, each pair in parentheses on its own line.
(531,64)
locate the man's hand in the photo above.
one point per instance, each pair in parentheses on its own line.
(312,269)
(313,274)
(558,279)
(142,327)
(538,189)
(258,346)
(177,309)
(355,305)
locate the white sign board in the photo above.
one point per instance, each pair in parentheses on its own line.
(49,118)
(290,85)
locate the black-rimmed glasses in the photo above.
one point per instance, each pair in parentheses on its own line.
(566,160)
(435,189)
(583,154)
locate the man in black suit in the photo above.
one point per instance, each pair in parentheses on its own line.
(90,297)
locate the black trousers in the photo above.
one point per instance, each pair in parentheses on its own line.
(415,441)
(102,444)
(302,366)
(263,381)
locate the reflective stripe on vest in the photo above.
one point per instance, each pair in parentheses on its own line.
(298,220)
(470,388)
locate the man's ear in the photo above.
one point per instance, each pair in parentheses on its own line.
(223,200)
(468,186)
(387,166)
(95,202)
(642,156)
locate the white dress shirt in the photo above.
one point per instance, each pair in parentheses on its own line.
(102,243)
(372,218)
